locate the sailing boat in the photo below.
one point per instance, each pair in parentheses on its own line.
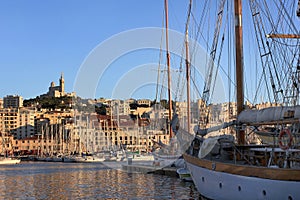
(170,154)
(224,169)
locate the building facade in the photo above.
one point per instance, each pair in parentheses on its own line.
(12,101)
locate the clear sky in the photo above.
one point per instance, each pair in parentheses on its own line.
(41,39)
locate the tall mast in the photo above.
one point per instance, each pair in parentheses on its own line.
(187,63)
(239,64)
(169,68)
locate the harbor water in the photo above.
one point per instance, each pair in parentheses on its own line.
(42,180)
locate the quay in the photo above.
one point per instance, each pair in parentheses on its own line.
(148,169)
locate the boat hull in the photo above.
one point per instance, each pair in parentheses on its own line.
(215,184)
(9,161)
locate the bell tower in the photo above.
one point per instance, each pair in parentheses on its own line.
(62,84)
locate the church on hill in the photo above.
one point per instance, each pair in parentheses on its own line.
(58,91)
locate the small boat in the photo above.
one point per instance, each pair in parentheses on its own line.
(139,156)
(9,161)
(92,159)
(184,174)
(84,158)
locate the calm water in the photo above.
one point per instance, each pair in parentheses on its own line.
(35,180)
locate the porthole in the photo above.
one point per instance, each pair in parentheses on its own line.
(220,185)
(290,198)
(264,192)
(202,179)
(239,188)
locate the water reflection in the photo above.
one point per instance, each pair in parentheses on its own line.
(87,181)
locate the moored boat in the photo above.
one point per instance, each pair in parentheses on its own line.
(184,174)
(228,167)
(9,161)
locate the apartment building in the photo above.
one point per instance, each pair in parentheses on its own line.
(26,123)
(9,120)
(12,101)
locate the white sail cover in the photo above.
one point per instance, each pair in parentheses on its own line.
(269,114)
(207,145)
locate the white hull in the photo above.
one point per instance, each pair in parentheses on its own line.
(94,159)
(165,160)
(219,185)
(142,158)
(9,161)
(80,159)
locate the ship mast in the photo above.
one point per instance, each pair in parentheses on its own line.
(169,68)
(187,63)
(239,65)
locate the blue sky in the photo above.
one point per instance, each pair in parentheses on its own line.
(41,39)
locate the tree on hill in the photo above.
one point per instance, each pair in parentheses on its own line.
(49,102)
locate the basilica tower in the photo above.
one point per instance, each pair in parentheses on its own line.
(62,84)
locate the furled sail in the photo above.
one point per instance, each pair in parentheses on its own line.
(271,114)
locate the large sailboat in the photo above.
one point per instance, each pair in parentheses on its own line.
(227,166)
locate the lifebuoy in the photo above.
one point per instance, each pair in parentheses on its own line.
(282,133)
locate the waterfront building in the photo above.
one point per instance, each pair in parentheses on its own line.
(136,128)
(9,120)
(181,110)
(156,136)
(228,111)
(1,103)
(144,102)
(27,146)
(12,101)
(25,123)
(119,107)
